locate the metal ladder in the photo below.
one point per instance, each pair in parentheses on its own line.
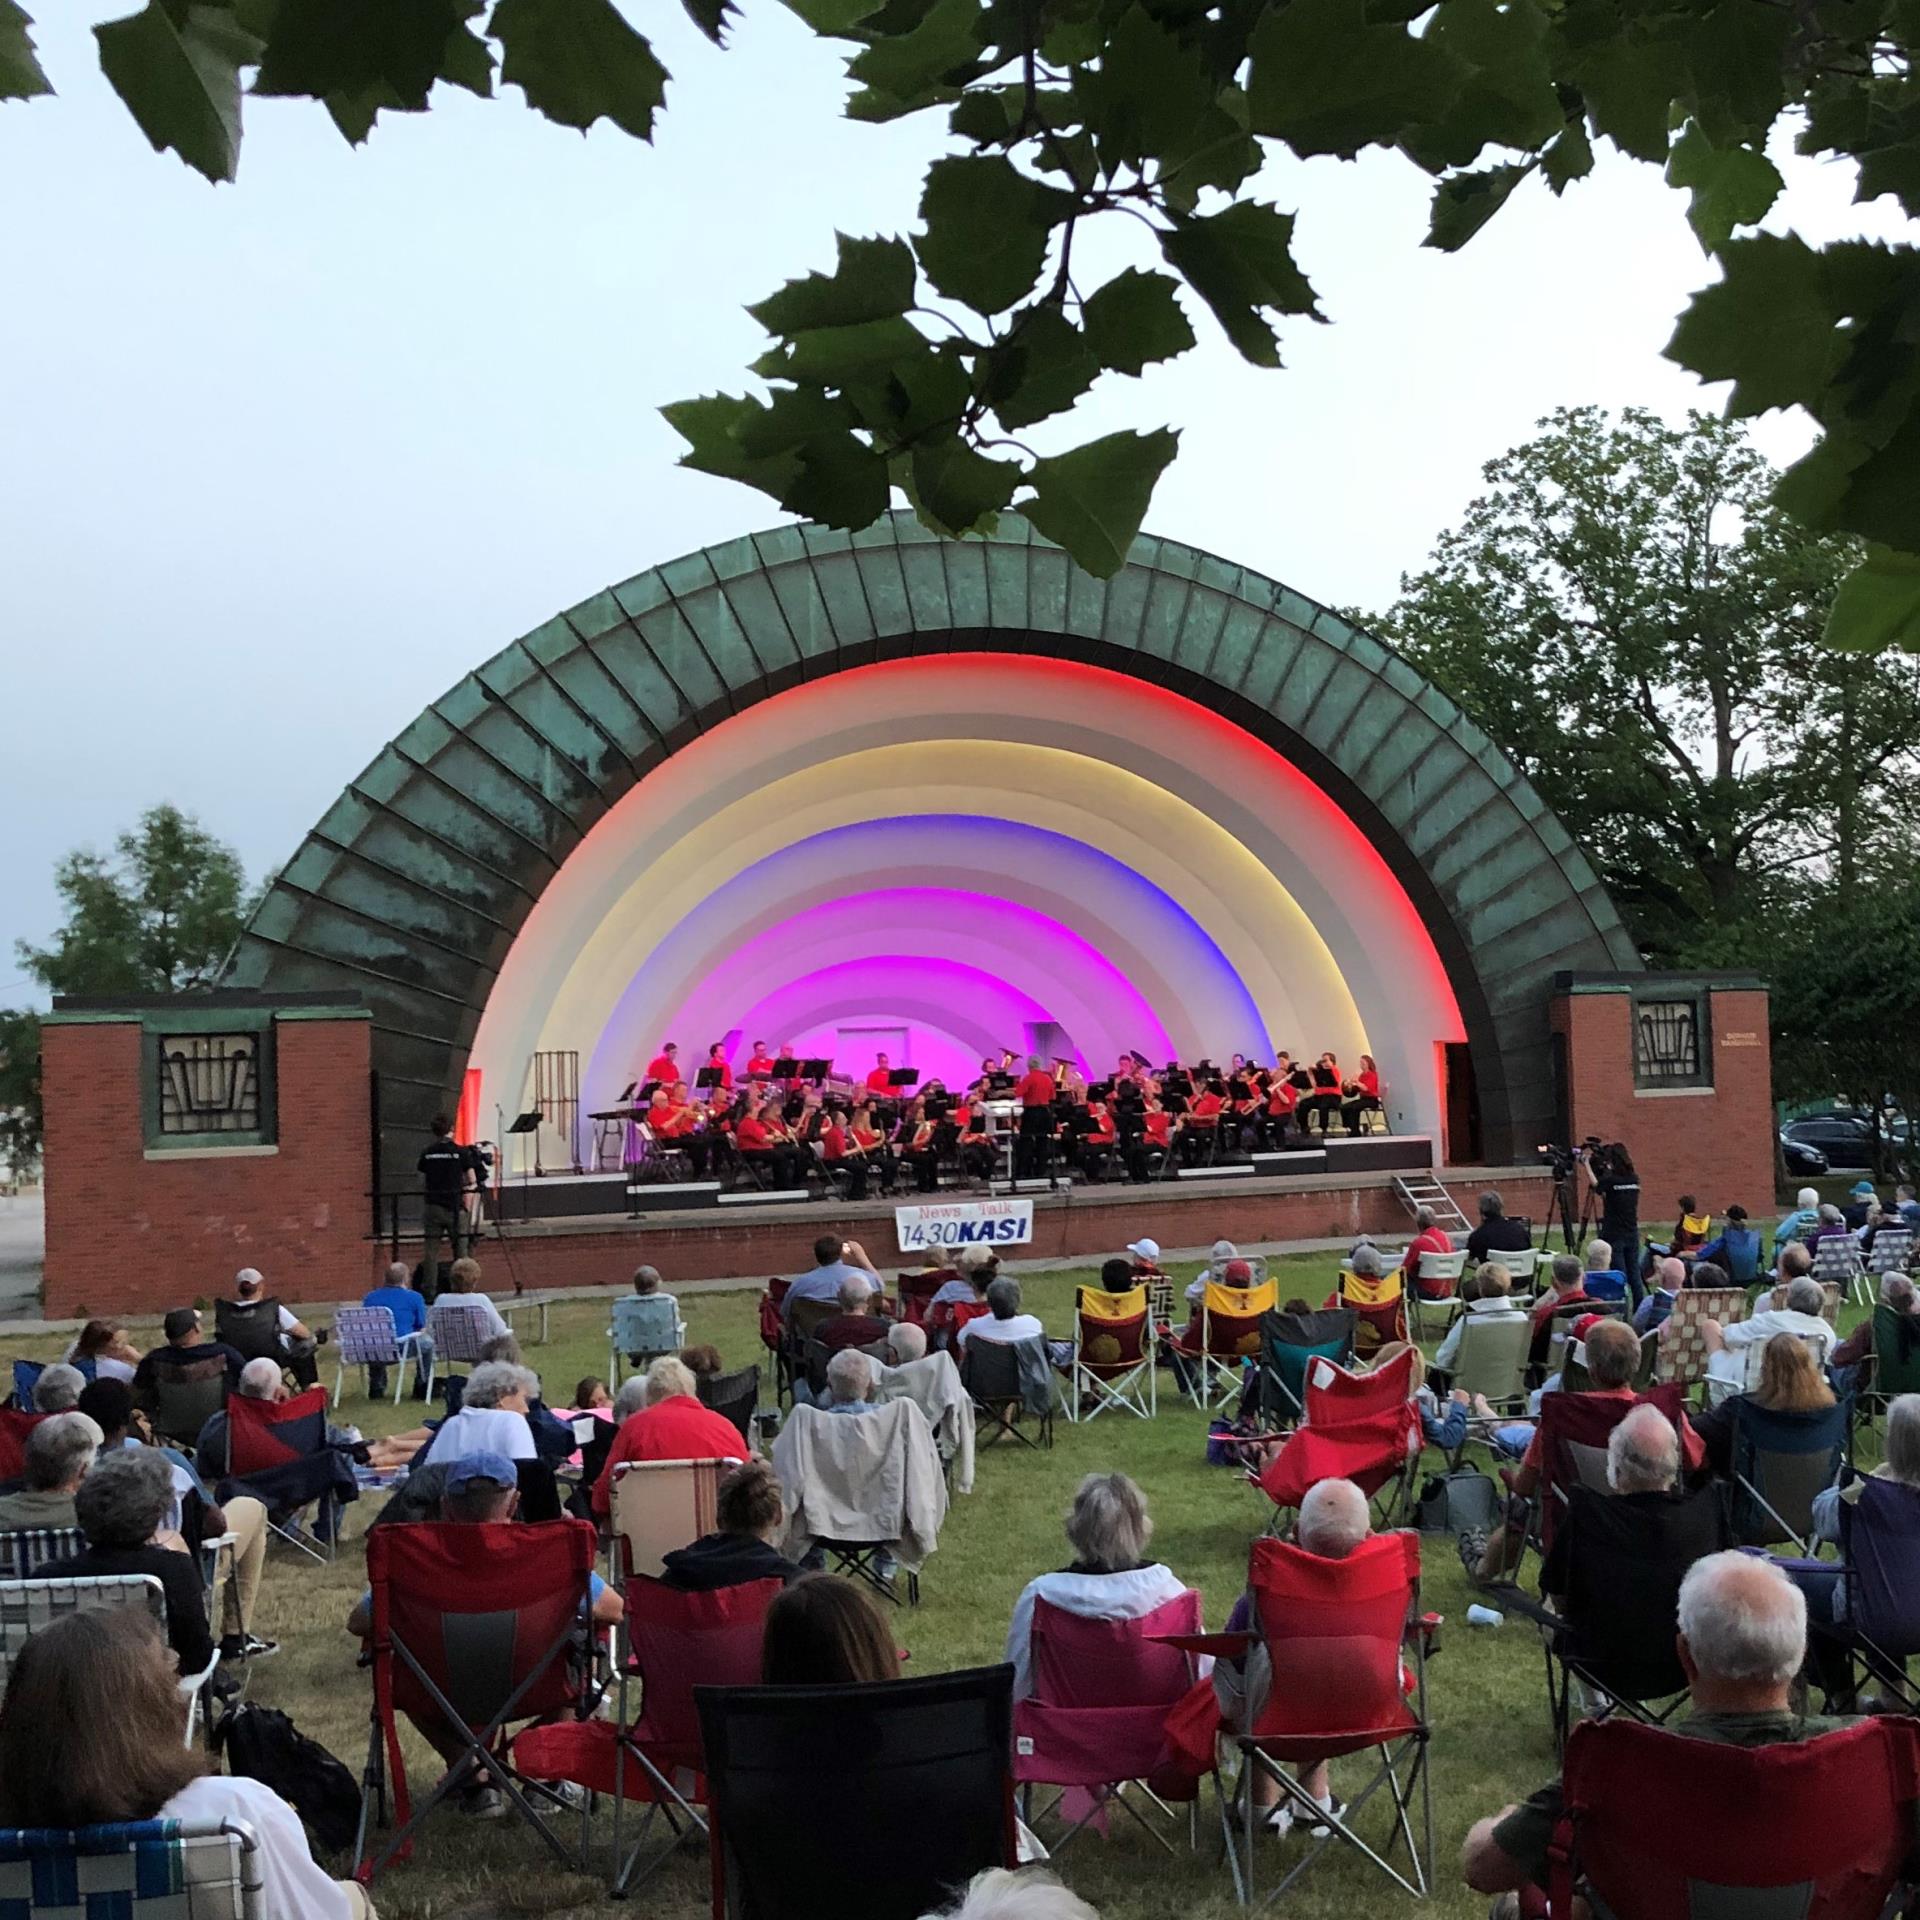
(1423,1190)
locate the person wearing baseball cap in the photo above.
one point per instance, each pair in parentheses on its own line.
(1862,1204)
(1146,1255)
(185,1360)
(255,1324)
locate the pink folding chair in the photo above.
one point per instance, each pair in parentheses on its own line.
(1097,1717)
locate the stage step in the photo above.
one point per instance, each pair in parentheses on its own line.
(1424,1190)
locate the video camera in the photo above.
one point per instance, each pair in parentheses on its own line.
(1563,1160)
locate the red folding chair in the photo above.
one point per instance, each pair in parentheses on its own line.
(948,1320)
(1663,1827)
(773,1335)
(1337,1633)
(916,1294)
(1097,1717)
(1379,1451)
(475,1627)
(14,1428)
(277,1451)
(1574,1430)
(1334,1395)
(673,1642)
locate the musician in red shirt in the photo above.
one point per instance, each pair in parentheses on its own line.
(663,1067)
(717,1063)
(1033,1152)
(1362,1094)
(1201,1135)
(1158,1131)
(676,1123)
(977,1149)
(919,1147)
(1282,1101)
(880,1080)
(760,1065)
(1098,1141)
(765,1147)
(871,1145)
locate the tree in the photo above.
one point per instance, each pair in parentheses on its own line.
(1625,613)
(19,1088)
(919,365)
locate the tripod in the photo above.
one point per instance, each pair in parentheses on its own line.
(1576,1223)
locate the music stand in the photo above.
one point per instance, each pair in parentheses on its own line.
(709,1078)
(904,1077)
(815,1070)
(529,1123)
(786,1068)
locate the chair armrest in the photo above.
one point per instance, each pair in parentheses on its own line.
(192,1683)
(1223,1646)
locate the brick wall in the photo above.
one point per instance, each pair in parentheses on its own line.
(1715,1142)
(129,1233)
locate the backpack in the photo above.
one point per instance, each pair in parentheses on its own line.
(262,1744)
(1457,1502)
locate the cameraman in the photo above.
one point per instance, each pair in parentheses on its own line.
(1611,1170)
(444,1169)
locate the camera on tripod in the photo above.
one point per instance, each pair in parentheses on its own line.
(1562,1160)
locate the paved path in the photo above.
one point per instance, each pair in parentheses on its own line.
(23,1245)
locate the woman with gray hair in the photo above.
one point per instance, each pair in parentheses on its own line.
(60,1449)
(670,1424)
(1032,1893)
(57,1388)
(492,1416)
(1108,1527)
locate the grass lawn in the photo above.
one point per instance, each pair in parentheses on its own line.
(1486,1689)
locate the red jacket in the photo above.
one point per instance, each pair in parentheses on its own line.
(1037,1089)
(676,1429)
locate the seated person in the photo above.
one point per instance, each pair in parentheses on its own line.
(669,1423)
(492,1416)
(648,1285)
(590,1395)
(1863,1202)
(59,1451)
(1690,1230)
(1795,1227)
(1221,1255)
(259,1380)
(1831,1225)
(1847,1362)
(825,1632)
(1790,1382)
(1003,1321)
(397,1294)
(849,1383)
(91,1735)
(1428,1237)
(856,1324)
(1116,1276)
(1496,1234)
(1743,1632)
(1487,1293)
(58,1389)
(1566,1287)
(105,1343)
(284,1339)
(1603,1280)
(553,1439)
(1665,1284)
(1232,1272)
(1735,1249)
(979,1269)
(750,1521)
(1733,1352)
(1110,1578)
(463,1289)
(835,1262)
(184,1357)
(906,1343)
(1643,1466)
(954,1285)
(1333,1521)
(121,1507)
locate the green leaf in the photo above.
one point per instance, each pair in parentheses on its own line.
(835,17)
(1630,86)
(578,61)
(21,75)
(1464,203)
(1091,501)
(355,113)
(1784,362)
(1737,58)
(1568,157)
(178,72)
(1878,605)
(1135,319)
(987,229)
(1240,262)
(827,356)
(1147,94)
(712,17)
(1731,187)
(1326,79)
(959,488)
(1040,369)
(927,390)
(711,427)
(838,480)
(1881,501)
(875,278)
(903,66)
(357,47)
(792,416)
(1508,98)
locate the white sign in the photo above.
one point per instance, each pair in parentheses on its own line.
(965,1223)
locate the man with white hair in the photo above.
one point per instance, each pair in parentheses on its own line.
(849,1382)
(259,1380)
(1800,1223)
(906,1343)
(1743,1634)
(57,1388)
(670,1424)
(59,1451)
(1643,1453)
(1733,1352)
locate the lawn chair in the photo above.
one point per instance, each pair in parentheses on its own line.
(474,1627)
(277,1451)
(1336,1634)
(460,1329)
(923,1793)
(182,1403)
(1817,1830)
(1113,1355)
(28,1605)
(133,1870)
(1442,1271)
(1895,1362)
(1837,1263)
(1380,1307)
(773,1336)
(917,1291)
(368,1337)
(1229,1336)
(1891,1252)
(1522,1266)
(1781,1459)
(1379,1453)
(734,1396)
(1683,1351)
(659,1506)
(1880,1559)
(1574,1430)
(671,1643)
(25,1550)
(1004,1379)
(14,1428)
(1336,1394)
(645,1325)
(26,1376)
(1492,1358)
(1289,1344)
(1097,1717)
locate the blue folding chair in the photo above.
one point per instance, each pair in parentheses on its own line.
(26,1374)
(134,1870)
(1781,1460)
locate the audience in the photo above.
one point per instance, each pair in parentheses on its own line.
(835,1263)
(1795,1226)
(492,1416)
(750,1520)
(849,1383)
(1603,1280)
(1743,1631)
(856,1324)
(58,1389)
(1733,1352)
(824,1632)
(1790,1381)
(1496,1233)
(185,1358)
(1003,1321)
(1487,1295)
(397,1294)
(1110,1578)
(648,1284)
(669,1424)
(906,1343)
(1666,1282)
(1566,1287)
(105,1343)
(90,1735)
(1427,1238)
(590,1394)
(1847,1363)
(463,1289)
(1736,1249)
(59,1451)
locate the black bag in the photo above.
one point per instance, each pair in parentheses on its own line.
(1455,1502)
(263,1744)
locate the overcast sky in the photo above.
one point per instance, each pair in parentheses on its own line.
(283,460)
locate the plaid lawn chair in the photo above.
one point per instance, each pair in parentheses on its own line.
(658,1506)
(368,1337)
(1113,1355)
(1381,1307)
(25,1550)
(1781,1460)
(460,1330)
(1228,1336)
(133,1870)
(645,1325)
(1683,1350)
(1837,1263)
(474,1627)
(1818,1830)
(1289,1345)
(277,1451)
(1891,1252)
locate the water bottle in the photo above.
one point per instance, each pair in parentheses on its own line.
(1479,1616)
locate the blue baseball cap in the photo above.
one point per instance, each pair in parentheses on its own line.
(482,1465)
(1861,1190)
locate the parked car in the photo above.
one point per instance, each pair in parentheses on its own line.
(1802,1162)
(1845,1138)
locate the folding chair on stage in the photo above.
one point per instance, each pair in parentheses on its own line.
(1381,1309)
(671,1642)
(1004,1379)
(1661,1827)
(1289,1345)
(1113,1355)
(1337,1635)
(1229,1336)
(659,1506)
(734,1396)
(277,1451)
(645,1325)
(1781,1459)
(475,1627)
(922,1792)
(133,1870)
(1379,1453)
(1096,1720)
(368,1337)
(25,1550)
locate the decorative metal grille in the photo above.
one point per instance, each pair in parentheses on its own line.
(1667,1044)
(210,1083)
